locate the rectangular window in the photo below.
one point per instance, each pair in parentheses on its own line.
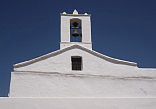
(76,63)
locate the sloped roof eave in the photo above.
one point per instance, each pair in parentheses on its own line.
(117,61)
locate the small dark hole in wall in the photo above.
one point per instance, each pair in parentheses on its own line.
(76,62)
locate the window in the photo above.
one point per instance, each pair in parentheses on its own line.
(76,63)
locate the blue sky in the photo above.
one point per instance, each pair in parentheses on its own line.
(122,29)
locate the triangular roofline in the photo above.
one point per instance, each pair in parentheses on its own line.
(110,59)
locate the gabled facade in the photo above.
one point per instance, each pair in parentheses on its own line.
(76,75)
(53,73)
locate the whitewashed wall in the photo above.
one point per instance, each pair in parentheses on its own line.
(53,77)
(78,103)
(91,64)
(26,84)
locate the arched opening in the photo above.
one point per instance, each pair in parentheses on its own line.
(75,30)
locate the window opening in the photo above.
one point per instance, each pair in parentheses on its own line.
(75,30)
(76,63)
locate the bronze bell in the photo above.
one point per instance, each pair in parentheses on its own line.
(75,33)
(75,24)
(75,28)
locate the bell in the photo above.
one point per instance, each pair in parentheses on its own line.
(75,24)
(75,33)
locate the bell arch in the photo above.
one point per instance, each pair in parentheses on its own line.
(75,30)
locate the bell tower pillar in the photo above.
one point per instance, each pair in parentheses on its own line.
(75,29)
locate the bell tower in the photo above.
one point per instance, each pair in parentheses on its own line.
(75,29)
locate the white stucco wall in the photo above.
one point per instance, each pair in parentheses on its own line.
(78,103)
(53,77)
(91,64)
(50,83)
(28,84)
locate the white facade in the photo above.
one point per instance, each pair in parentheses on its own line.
(48,81)
(77,103)
(101,76)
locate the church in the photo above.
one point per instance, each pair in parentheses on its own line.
(77,77)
